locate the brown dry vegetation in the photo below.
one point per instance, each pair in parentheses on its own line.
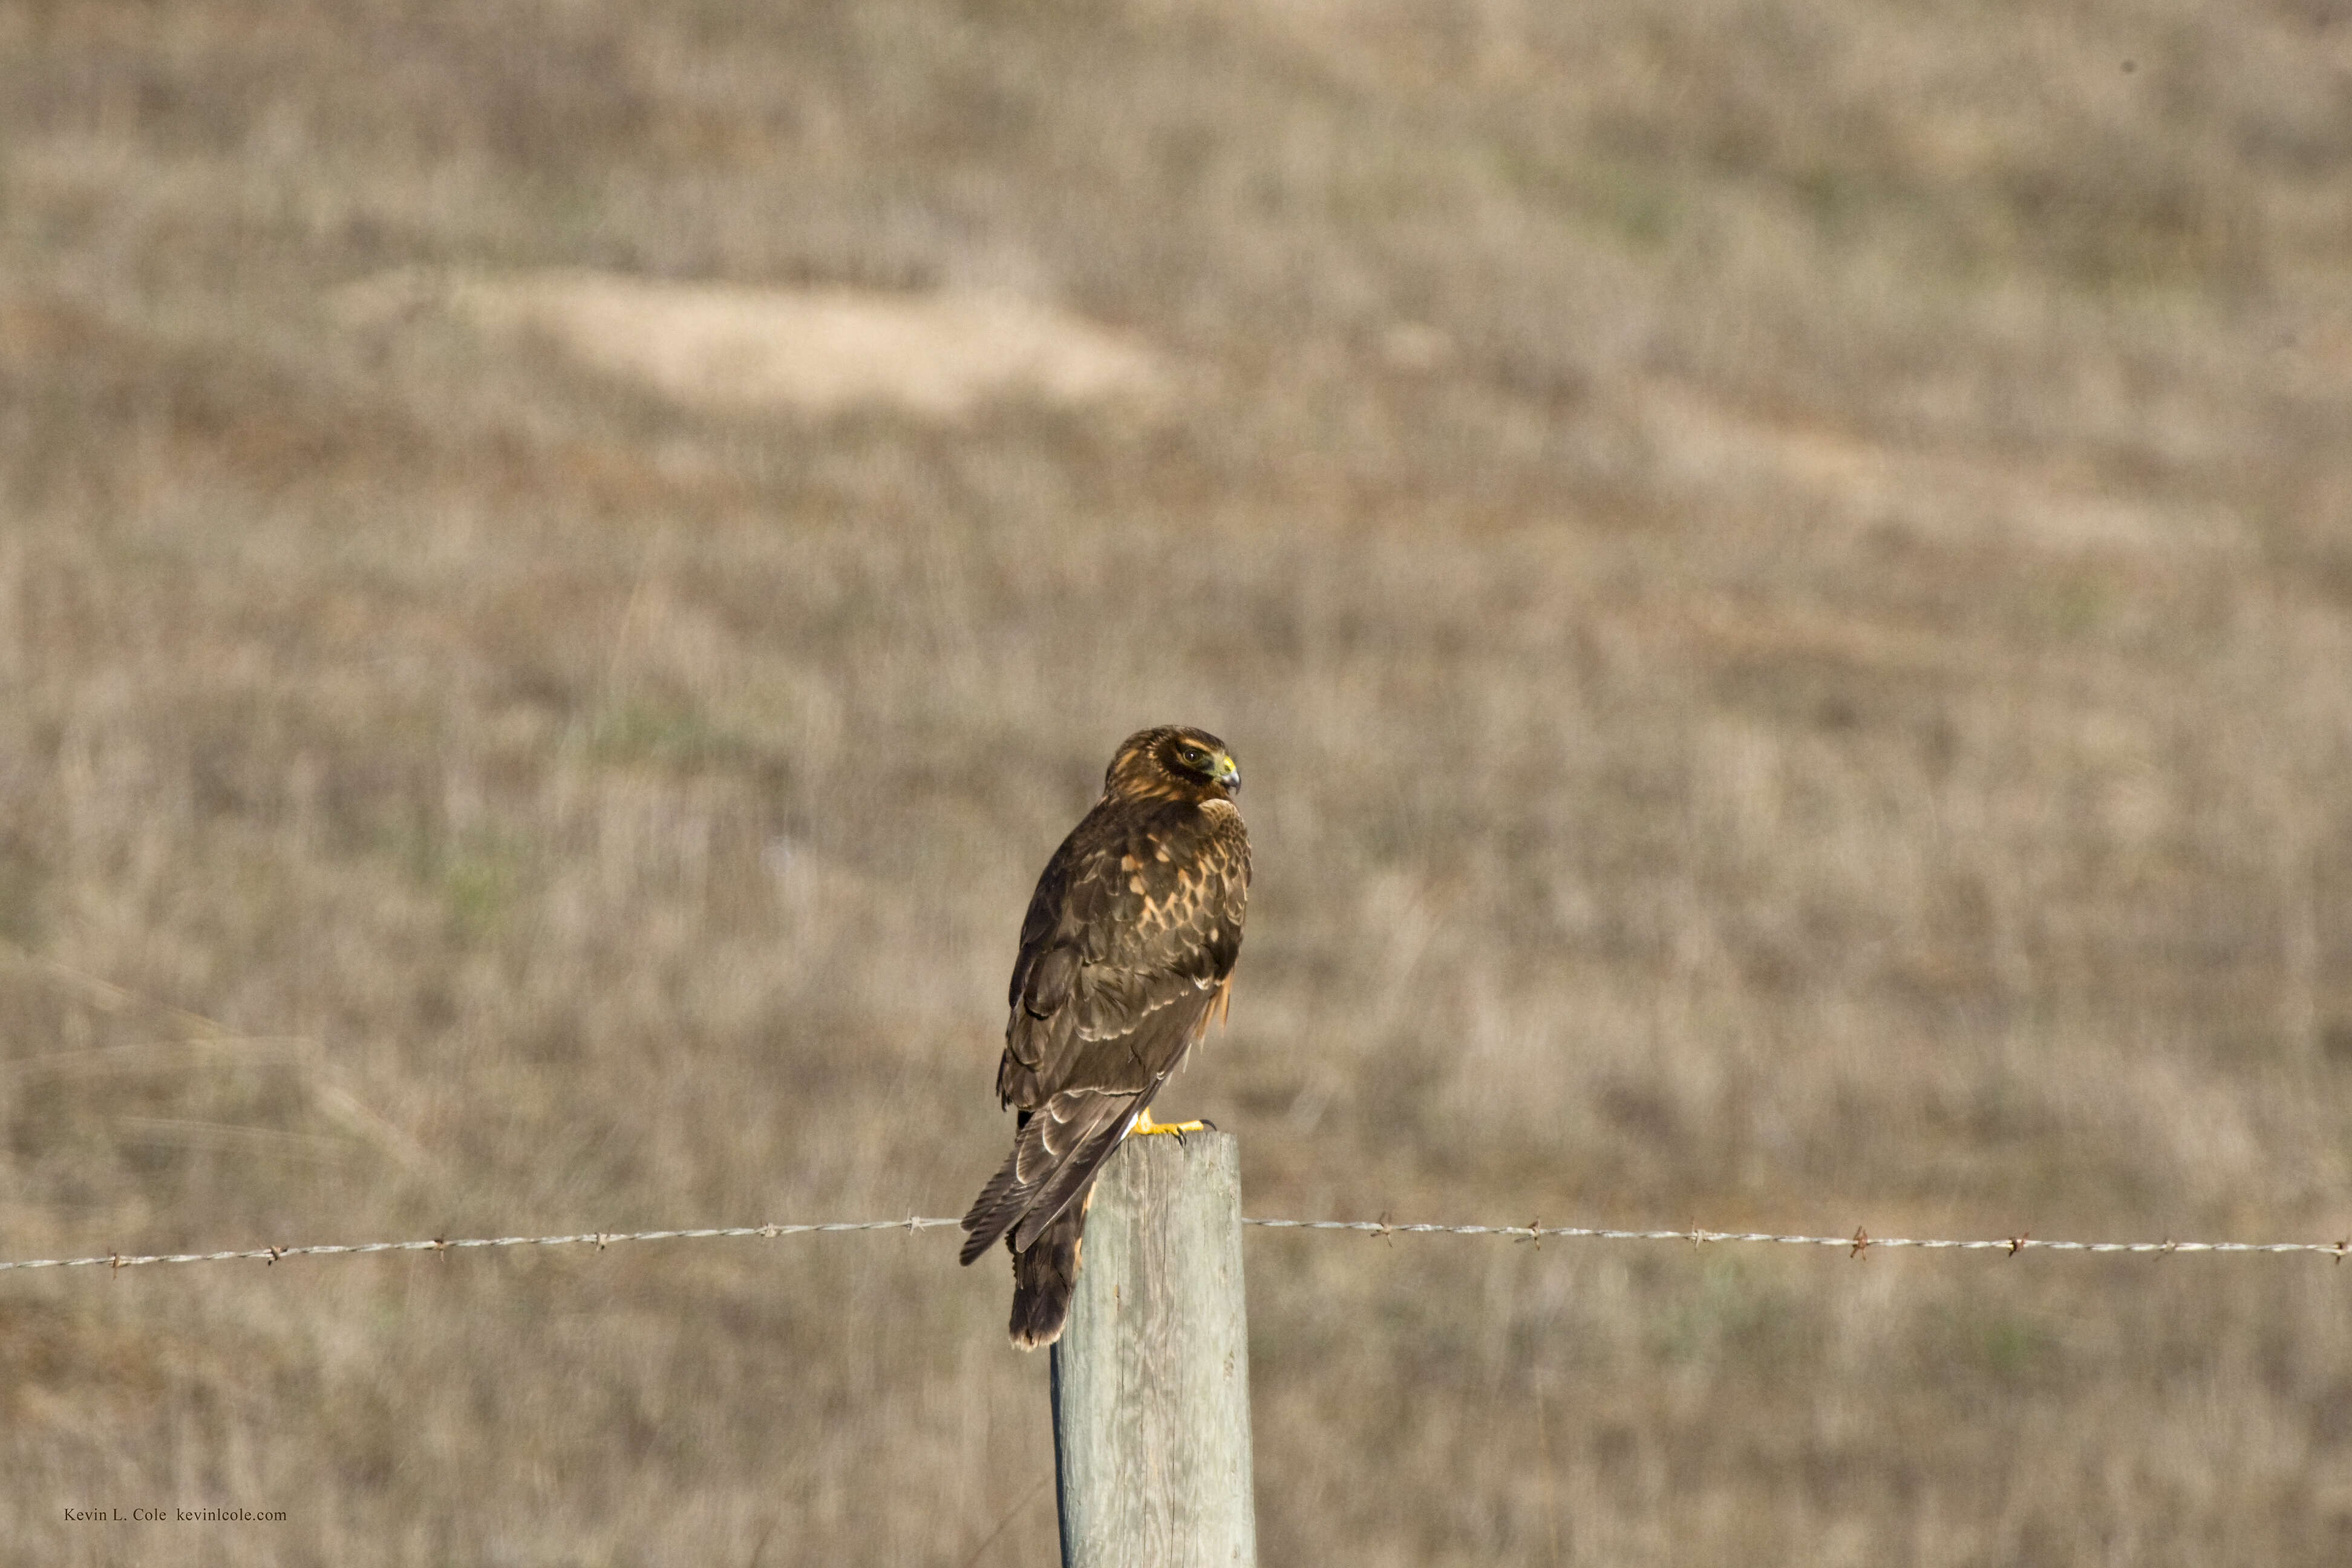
(1782,574)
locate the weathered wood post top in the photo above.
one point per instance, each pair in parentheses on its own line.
(1151,1419)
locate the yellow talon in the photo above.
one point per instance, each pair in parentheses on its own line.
(1144,1125)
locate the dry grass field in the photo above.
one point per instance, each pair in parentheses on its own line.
(1780,571)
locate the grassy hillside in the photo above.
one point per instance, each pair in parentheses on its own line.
(1781,575)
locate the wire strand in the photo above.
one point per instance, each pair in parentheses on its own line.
(1860,1244)
(599,1239)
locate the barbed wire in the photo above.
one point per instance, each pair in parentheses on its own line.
(600,1240)
(1859,1244)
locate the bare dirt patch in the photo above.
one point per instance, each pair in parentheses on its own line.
(724,346)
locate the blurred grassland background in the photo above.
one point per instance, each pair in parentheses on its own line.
(1781,575)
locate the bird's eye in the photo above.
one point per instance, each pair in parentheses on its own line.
(1193,757)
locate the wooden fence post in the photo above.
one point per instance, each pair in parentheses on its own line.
(1151,1421)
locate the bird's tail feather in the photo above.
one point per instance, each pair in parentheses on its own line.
(998,1208)
(1043,1277)
(1057,1152)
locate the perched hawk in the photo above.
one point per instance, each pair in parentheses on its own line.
(1126,950)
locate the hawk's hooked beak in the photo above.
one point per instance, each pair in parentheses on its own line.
(1227,775)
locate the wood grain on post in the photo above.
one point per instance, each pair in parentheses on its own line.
(1151,1421)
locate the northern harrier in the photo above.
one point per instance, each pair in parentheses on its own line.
(1127,951)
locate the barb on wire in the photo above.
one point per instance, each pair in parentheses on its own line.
(1860,1244)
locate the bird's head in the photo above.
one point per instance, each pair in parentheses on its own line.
(1175,762)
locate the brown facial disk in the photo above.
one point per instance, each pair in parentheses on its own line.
(1175,761)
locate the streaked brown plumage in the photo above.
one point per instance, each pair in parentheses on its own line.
(1127,951)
